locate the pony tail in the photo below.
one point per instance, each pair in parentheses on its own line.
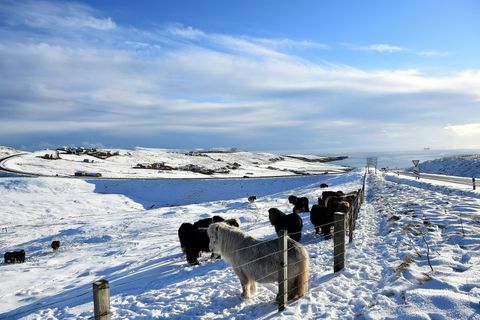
(301,282)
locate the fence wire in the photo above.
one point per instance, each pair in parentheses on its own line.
(41,306)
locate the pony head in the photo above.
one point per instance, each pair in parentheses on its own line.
(292,199)
(212,232)
(217,219)
(274,215)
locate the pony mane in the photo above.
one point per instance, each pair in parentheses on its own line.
(232,238)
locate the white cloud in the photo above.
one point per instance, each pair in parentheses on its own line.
(43,14)
(186,32)
(289,43)
(274,48)
(381,48)
(465,130)
(433,53)
(388,48)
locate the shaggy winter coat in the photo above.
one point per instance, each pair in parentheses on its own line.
(293,223)
(255,260)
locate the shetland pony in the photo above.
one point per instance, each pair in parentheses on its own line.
(292,223)
(320,218)
(55,245)
(299,204)
(327,194)
(253,261)
(14,256)
(194,240)
(204,223)
(336,204)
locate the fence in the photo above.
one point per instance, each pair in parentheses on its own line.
(342,223)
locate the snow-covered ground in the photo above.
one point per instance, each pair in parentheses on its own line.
(225,164)
(7,151)
(387,274)
(463,166)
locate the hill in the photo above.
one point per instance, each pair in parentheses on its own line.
(145,163)
(462,166)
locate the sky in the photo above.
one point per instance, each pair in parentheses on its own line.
(303,76)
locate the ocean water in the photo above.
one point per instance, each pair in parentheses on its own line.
(399,159)
(5,174)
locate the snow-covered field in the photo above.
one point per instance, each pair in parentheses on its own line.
(112,236)
(223,164)
(7,151)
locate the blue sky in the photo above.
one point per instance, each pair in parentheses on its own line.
(306,76)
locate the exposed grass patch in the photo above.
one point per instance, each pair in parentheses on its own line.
(404,265)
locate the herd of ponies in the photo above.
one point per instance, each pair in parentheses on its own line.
(254,260)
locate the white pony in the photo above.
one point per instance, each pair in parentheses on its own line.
(255,260)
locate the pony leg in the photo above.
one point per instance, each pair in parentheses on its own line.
(215,256)
(298,285)
(245,282)
(253,288)
(292,291)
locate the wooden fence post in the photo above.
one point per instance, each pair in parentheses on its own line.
(101,300)
(351,222)
(473,182)
(283,272)
(338,241)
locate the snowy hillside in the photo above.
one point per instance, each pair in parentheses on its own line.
(462,166)
(159,163)
(111,236)
(7,151)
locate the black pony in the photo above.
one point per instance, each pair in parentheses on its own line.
(194,238)
(14,256)
(299,204)
(291,222)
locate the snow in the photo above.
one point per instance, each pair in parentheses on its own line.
(122,165)
(309,157)
(106,232)
(7,151)
(463,166)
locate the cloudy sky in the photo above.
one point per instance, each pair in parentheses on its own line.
(316,76)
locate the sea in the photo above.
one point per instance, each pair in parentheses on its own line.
(399,159)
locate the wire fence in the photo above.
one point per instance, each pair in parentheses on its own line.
(40,306)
